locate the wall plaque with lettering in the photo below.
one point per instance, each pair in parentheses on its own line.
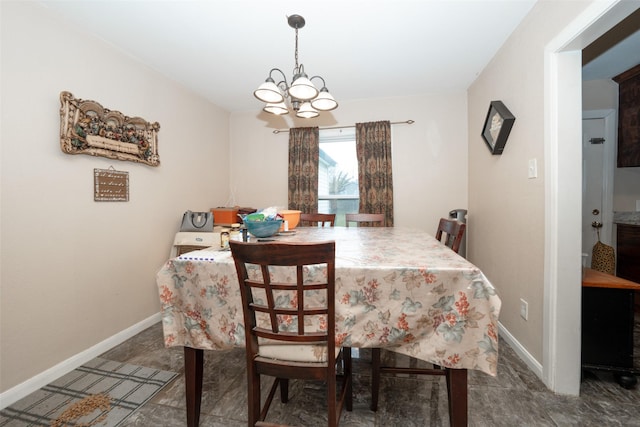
(110,185)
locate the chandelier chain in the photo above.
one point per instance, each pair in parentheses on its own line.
(296,54)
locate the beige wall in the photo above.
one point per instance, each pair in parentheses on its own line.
(429,156)
(599,95)
(507,228)
(74,271)
(626,189)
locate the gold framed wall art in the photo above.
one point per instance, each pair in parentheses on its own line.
(86,127)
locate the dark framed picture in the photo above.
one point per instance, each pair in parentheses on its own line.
(497,126)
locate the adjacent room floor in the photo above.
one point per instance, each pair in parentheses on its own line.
(516,397)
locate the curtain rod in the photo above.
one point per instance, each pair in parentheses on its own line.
(407,122)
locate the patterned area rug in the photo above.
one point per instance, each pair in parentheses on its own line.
(101,393)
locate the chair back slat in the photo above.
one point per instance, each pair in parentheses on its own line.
(304,257)
(317,219)
(365,219)
(452,231)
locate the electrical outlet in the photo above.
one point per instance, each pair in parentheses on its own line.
(524,309)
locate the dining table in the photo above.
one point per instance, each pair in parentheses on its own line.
(397,288)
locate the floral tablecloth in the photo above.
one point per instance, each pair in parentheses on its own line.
(395,287)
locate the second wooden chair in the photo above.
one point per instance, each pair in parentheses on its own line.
(453,233)
(365,219)
(317,219)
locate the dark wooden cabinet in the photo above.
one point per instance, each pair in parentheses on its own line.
(628,265)
(629,117)
(607,329)
(628,257)
(607,325)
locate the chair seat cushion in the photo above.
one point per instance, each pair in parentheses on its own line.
(309,353)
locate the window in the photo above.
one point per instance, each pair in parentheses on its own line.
(338,173)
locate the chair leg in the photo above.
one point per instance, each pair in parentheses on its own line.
(253,395)
(457,392)
(284,390)
(331,400)
(193,367)
(375,378)
(348,377)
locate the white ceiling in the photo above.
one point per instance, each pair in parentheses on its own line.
(619,58)
(224,49)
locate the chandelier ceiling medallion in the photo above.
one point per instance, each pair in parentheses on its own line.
(304,97)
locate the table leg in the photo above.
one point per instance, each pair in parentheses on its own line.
(375,378)
(193,367)
(457,390)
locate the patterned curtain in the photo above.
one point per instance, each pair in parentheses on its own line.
(373,148)
(304,153)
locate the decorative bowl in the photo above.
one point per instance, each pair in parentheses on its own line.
(291,216)
(263,228)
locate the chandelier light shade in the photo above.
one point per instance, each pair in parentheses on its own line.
(303,96)
(278,109)
(306,111)
(324,101)
(303,89)
(269,92)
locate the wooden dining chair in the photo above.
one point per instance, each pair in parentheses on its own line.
(317,219)
(365,219)
(453,232)
(279,341)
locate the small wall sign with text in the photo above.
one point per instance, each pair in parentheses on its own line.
(110,185)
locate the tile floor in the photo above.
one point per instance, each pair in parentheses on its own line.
(516,397)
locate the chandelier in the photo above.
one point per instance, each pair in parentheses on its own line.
(305,99)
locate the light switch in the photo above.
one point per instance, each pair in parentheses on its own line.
(533,168)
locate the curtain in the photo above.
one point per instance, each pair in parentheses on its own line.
(304,153)
(373,148)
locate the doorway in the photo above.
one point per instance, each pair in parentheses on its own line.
(598,150)
(563,216)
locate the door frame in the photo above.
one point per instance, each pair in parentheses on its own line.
(563,192)
(608,169)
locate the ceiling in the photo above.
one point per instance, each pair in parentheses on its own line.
(614,61)
(615,51)
(363,49)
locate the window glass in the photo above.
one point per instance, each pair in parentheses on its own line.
(338,173)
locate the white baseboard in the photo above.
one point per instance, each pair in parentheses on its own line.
(34,383)
(526,357)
